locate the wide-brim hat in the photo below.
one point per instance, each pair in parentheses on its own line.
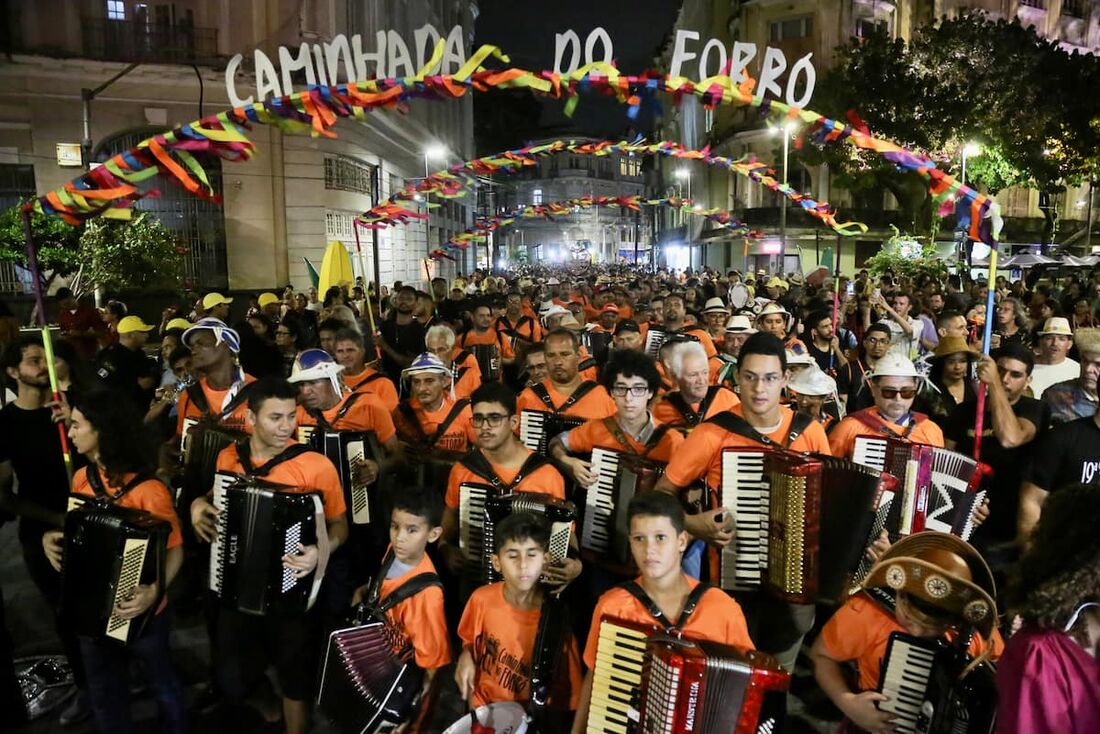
(739,323)
(942,570)
(426,362)
(773,307)
(1087,340)
(1056,325)
(895,365)
(569,321)
(715,305)
(953,345)
(812,382)
(799,356)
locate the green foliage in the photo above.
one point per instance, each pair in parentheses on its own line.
(57,242)
(139,254)
(897,256)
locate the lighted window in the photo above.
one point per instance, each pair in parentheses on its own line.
(783,30)
(116,10)
(536,197)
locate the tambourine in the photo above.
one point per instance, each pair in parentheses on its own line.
(507,717)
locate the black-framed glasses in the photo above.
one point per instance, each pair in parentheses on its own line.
(492,419)
(892,392)
(637,391)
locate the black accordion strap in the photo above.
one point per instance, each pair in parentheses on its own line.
(693,417)
(692,602)
(544,395)
(244,454)
(410,588)
(736,424)
(319,416)
(615,430)
(198,397)
(100,489)
(476,462)
(456,410)
(410,417)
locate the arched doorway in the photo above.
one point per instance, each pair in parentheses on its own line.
(199,223)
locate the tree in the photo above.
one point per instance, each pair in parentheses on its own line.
(906,256)
(57,243)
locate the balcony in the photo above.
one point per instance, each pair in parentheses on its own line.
(125,40)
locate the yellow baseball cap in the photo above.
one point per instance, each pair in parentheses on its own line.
(214,299)
(132,323)
(177,323)
(266,298)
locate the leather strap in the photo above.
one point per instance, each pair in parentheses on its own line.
(651,606)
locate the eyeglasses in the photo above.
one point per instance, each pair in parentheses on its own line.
(635,390)
(876,340)
(892,392)
(492,419)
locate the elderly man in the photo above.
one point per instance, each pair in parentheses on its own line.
(440,341)
(694,399)
(1053,365)
(715,314)
(738,329)
(1073,399)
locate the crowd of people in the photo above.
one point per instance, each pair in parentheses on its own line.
(671,369)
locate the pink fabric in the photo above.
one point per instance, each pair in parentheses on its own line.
(1047,684)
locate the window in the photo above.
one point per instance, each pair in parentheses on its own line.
(347,174)
(116,10)
(630,167)
(783,30)
(339,226)
(1040,4)
(1075,8)
(868,26)
(536,197)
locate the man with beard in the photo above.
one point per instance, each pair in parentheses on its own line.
(1053,365)
(402,336)
(534,364)
(30,451)
(1075,399)
(675,312)
(520,328)
(715,314)
(350,353)
(738,329)
(824,344)
(695,399)
(484,335)
(566,393)
(851,379)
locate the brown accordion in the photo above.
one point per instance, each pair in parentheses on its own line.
(619,476)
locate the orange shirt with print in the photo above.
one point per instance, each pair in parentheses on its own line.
(545,479)
(458,437)
(717,618)
(595,404)
(701,455)
(381,387)
(420,617)
(365,414)
(214,398)
(307,472)
(842,439)
(501,639)
(666,411)
(467,372)
(595,433)
(150,496)
(490,336)
(860,630)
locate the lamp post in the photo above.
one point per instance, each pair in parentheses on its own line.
(437,151)
(787,128)
(969,150)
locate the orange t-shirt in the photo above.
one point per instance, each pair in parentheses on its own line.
(150,496)
(842,439)
(490,336)
(365,414)
(701,454)
(458,437)
(381,387)
(545,479)
(700,333)
(595,404)
(595,433)
(717,618)
(470,379)
(529,330)
(306,472)
(420,617)
(214,398)
(860,631)
(502,641)
(666,411)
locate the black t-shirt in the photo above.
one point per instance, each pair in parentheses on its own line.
(823,357)
(120,368)
(1008,465)
(30,441)
(407,340)
(1068,454)
(452,311)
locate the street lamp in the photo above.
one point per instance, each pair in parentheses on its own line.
(969,151)
(787,128)
(433,151)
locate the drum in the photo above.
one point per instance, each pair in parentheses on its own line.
(738,296)
(505,718)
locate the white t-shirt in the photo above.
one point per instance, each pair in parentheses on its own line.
(1045,375)
(905,345)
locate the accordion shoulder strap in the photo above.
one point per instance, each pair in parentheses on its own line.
(198,396)
(319,415)
(244,455)
(544,395)
(456,410)
(100,489)
(476,462)
(410,588)
(736,424)
(635,590)
(693,417)
(369,379)
(866,418)
(409,415)
(616,430)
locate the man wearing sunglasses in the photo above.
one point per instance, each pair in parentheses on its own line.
(894,383)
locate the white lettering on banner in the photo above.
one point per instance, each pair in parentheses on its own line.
(571,41)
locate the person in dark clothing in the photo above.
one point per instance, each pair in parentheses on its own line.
(124,367)
(259,356)
(850,379)
(402,336)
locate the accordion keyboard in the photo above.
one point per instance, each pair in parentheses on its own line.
(133,561)
(290,547)
(532,429)
(744,490)
(600,501)
(906,672)
(616,678)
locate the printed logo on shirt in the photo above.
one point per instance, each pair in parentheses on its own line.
(1089,471)
(502,666)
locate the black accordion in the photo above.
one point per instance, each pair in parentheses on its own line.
(346,449)
(802,522)
(482,506)
(931,691)
(619,476)
(938,488)
(258,523)
(488,361)
(647,681)
(201,443)
(596,341)
(655,337)
(537,427)
(369,681)
(108,551)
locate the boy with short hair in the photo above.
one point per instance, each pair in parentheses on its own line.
(698,611)
(501,621)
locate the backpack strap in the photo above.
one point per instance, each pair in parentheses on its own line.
(690,605)
(244,455)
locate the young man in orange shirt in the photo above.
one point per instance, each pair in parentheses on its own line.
(565,393)
(759,421)
(246,643)
(440,341)
(662,595)
(696,399)
(220,394)
(350,351)
(483,334)
(501,620)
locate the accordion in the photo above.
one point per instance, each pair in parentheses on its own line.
(553,632)
(202,441)
(655,336)
(709,687)
(369,682)
(928,691)
(938,488)
(537,427)
(488,361)
(109,550)
(595,341)
(258,523)
(482,506)
(619,476)
(345,449)
(802,522)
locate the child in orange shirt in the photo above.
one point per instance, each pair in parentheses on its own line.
(926,585)
(501,620)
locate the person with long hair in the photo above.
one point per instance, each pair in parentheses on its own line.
(949,378)
(108,431)
(1049,677)
(1013,325)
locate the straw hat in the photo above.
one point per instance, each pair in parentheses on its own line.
(739,323)
(1056,325)
(773,307)
(1087,340)
(953,345)
(777,282)
(715,305)
(895,365)
(812,382)
(799,356)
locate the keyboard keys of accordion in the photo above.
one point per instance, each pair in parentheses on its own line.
(129,576)
(532,429)
(599,512)
(616,676)
(744,491)
(906,672)
(472,538)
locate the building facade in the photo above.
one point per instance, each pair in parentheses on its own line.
(297,193)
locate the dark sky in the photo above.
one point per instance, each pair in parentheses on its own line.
(525,31)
